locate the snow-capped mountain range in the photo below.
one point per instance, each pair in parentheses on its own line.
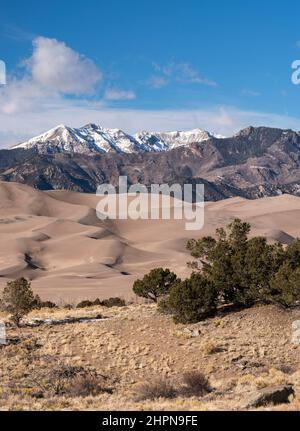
(256,162)
(95,139)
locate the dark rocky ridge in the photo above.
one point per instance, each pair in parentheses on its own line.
(256,162)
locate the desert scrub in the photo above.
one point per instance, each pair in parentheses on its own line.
(195,383)
(110,302)
(88,384)
(65,380)
(158,388)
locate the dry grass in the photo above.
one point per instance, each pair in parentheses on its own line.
(110,358)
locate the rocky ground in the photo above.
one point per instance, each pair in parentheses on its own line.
(240,353)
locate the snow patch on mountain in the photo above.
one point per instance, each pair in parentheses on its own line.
(96,139)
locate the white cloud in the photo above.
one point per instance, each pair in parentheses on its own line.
(53,71)
(180,72)
(36,102)
(24,94)
(115,94)
(56,66)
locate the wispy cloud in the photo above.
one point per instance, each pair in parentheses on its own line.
(177,72)
(116,94)
(14,32)
(251,93)
(156,81)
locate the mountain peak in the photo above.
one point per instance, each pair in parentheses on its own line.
(262,131)
(259,161)
(245,132)
(91,126)
(92,138)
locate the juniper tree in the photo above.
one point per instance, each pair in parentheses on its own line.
(285,286)
(18,299)
(154,284)
(193,299)
(238,267)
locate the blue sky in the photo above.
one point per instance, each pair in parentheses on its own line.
(148,65)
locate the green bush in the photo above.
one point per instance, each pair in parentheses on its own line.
(222,260)
(113,302)
(164,306)
(230,269)
(193,299)
(48,304)
(18,299)
(85,303)
(239,268)
(38,303)
(155,284)
(285,286)
(292,254)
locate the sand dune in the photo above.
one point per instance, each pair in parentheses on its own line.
(55,239)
